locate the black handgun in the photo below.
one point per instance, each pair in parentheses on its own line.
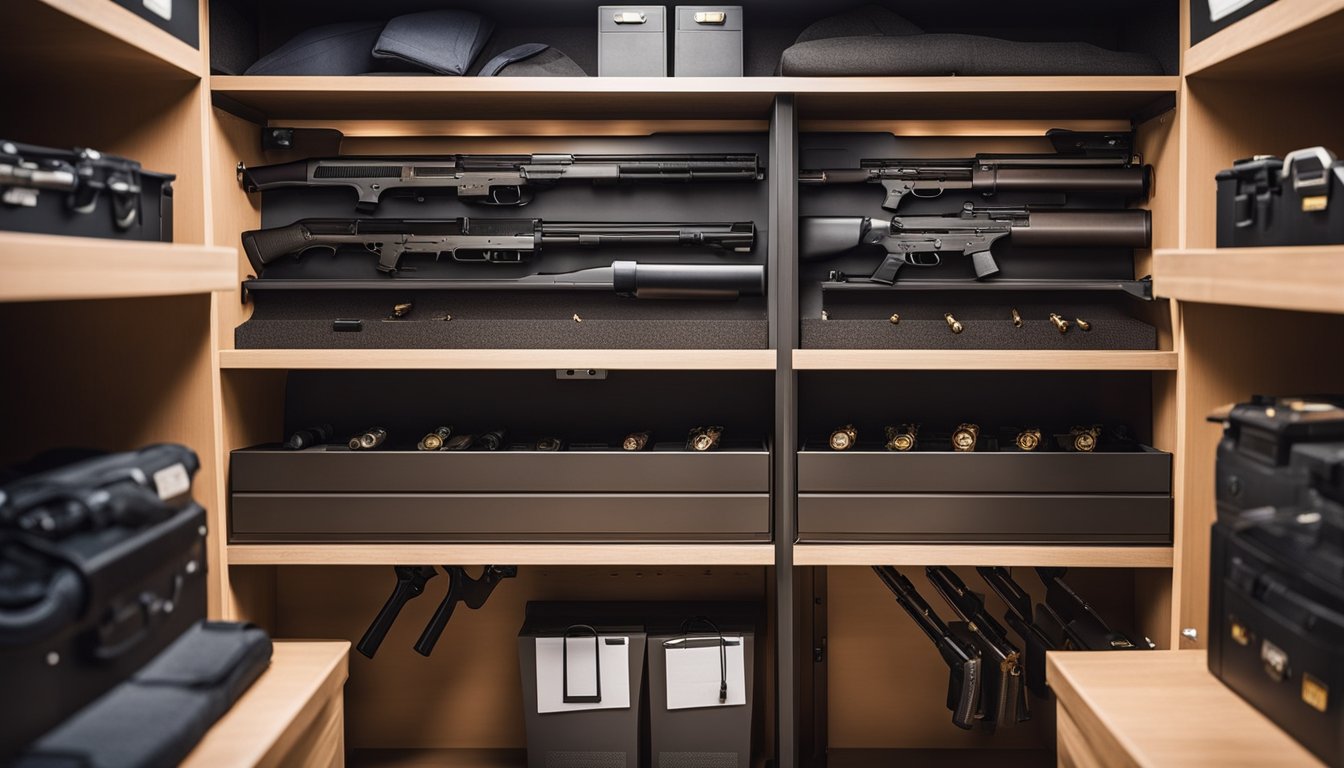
(410,585)
(1037,643)
(1004,692)
(1080,626)
(963,661)
(461,589)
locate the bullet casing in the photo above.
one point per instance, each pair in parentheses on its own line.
(435,439)
(965,437)
(549,444)
(1017,318)
(902,438)
(1028,439)
(953,323)
(635,441)
(1060,323)
(492,440)
(704,438)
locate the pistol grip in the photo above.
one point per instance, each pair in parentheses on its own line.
(887,270)
(437,623)
(387,616)
(984,264)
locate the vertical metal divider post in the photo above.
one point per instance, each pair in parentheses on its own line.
(782,262)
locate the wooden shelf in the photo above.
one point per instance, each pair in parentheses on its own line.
(1307,279)
(1289,37)
(93,35)
(977,757)
(514,554)
(52,267)
(982,554)
(438,758)
(559,98)
(292,711)
(497,359)
(980,360)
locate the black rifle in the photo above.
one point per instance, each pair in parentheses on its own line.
(26,171)
(410,585)
(1089,163)
(492,179)
(497,241)
(626,278)
(963,685)
(461,589)
(919,241)
(1075,622)
(1019,618)
(1004,692)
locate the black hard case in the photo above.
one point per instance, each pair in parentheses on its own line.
(53,215)
(50,676)
(1273,214)
(183,22)
(1202,26)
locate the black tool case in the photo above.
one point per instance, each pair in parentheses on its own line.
(1276,607)
(1267,201)
(83,192)
(81,613)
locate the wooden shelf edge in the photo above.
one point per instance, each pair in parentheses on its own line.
(983,554)
(243,84)
(55,267)
(1267,25)
(494,359)
(981,360)
(267,721)
(438,757)
(1302,279)
(513,554)
(131,30)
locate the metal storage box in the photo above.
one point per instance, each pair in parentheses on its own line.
(632,41)
(711,737)
(709,41)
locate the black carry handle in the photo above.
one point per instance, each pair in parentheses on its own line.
(59,608)
(596,698)
(410,585)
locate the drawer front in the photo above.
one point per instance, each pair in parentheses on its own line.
(985,518)
(1146,472)
(297,517)
(341,471)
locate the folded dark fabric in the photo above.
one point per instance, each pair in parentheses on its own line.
(332,49)
(532,60)
(158,716)
(953,54)
(862,21)
(443,42)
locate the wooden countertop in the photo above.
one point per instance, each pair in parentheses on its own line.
(1164,709)
(274,714)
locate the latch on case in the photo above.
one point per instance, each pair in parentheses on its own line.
(629,17)
(710,17)
(1310,171)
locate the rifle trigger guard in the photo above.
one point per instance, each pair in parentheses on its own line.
(914,192)
(923,259)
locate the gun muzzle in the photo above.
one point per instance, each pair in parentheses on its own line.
(687,281)
(1132,181)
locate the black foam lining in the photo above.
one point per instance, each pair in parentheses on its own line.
(502,320)
(1110,333)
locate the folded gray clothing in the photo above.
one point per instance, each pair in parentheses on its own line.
(532,60)
(443,42)
(865,20)
(332,49)
(954,54)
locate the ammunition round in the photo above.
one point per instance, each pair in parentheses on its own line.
(1028,439)
(953,323)
(965,437)
(1060,323)
(844,438)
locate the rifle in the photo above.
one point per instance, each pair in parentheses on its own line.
(1083,162)
(495,241)
(627,278)
(1077,623)
(1019,618)
(963,685)
(1005,691)
(492,179)
(920,241)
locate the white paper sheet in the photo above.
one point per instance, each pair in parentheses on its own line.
(695,673)
(614,660)
(1219,9)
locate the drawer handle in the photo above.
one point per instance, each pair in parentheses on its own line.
(710,17)
(629,17)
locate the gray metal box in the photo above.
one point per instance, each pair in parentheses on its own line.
(715,737)
(599,738)
(709,41)
(632,41)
